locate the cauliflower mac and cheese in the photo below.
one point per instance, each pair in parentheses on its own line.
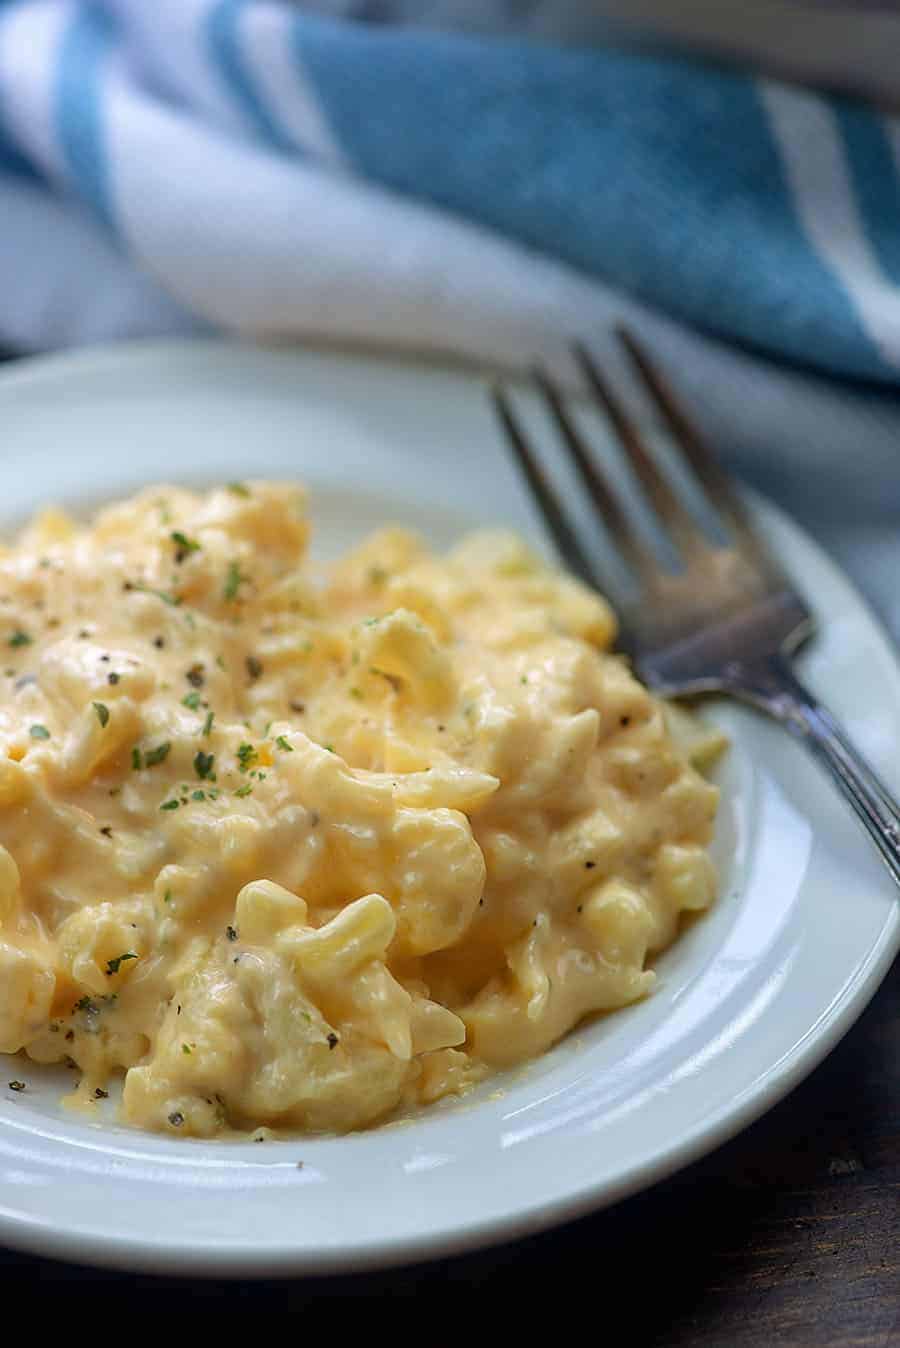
(291,846)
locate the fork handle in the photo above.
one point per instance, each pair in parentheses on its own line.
(772,685)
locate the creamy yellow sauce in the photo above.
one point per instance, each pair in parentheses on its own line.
(293,846)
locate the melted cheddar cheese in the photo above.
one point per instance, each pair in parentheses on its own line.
(293,846)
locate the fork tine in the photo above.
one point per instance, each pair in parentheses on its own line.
(705,466)
(663,499)
(638,557)
(554,515)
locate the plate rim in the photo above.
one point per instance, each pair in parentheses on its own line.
(152,1254)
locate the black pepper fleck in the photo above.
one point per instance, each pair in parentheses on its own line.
(589,865)
(298,707)
(100,1094)
(113,677)
(159,642)
(176,1118)
(231,933)
(332,1040)
(16,1085)
(194,676)
(106,831)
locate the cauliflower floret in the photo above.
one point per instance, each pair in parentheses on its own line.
(99,946)
(27,984)
(288,1024)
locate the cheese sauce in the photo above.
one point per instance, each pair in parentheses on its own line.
(292,846)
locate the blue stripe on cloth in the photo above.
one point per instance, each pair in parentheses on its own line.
(658,175)
(224,43)
(78,115)
(875,179)
(11,160)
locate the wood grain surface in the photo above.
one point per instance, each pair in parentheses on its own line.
(789,1235)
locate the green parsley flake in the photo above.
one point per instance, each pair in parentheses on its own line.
(282,743)
(173,600)
(203,764)
(169,805)
(136,759)
(39,732)
(208,723)
(244,790)
(112,966)
(198,795)
(20,638)
(191,700)
(157,755)
(102,713)
(246,756)
(186,1048)
(238,489)
(167,897)
(185,546)
(233,581)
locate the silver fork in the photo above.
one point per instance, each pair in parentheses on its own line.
(729,621)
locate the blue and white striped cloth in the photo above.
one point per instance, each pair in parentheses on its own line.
(243,164)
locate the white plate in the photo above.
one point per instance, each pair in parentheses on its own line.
(749,1000)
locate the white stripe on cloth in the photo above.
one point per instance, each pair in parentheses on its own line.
(71,282)
(30,39)
(819,178)
(167,43)
(302,251)
(283,84)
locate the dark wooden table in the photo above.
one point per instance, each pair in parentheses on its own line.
(789,1235)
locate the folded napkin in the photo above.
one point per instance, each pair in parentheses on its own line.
(248,166)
